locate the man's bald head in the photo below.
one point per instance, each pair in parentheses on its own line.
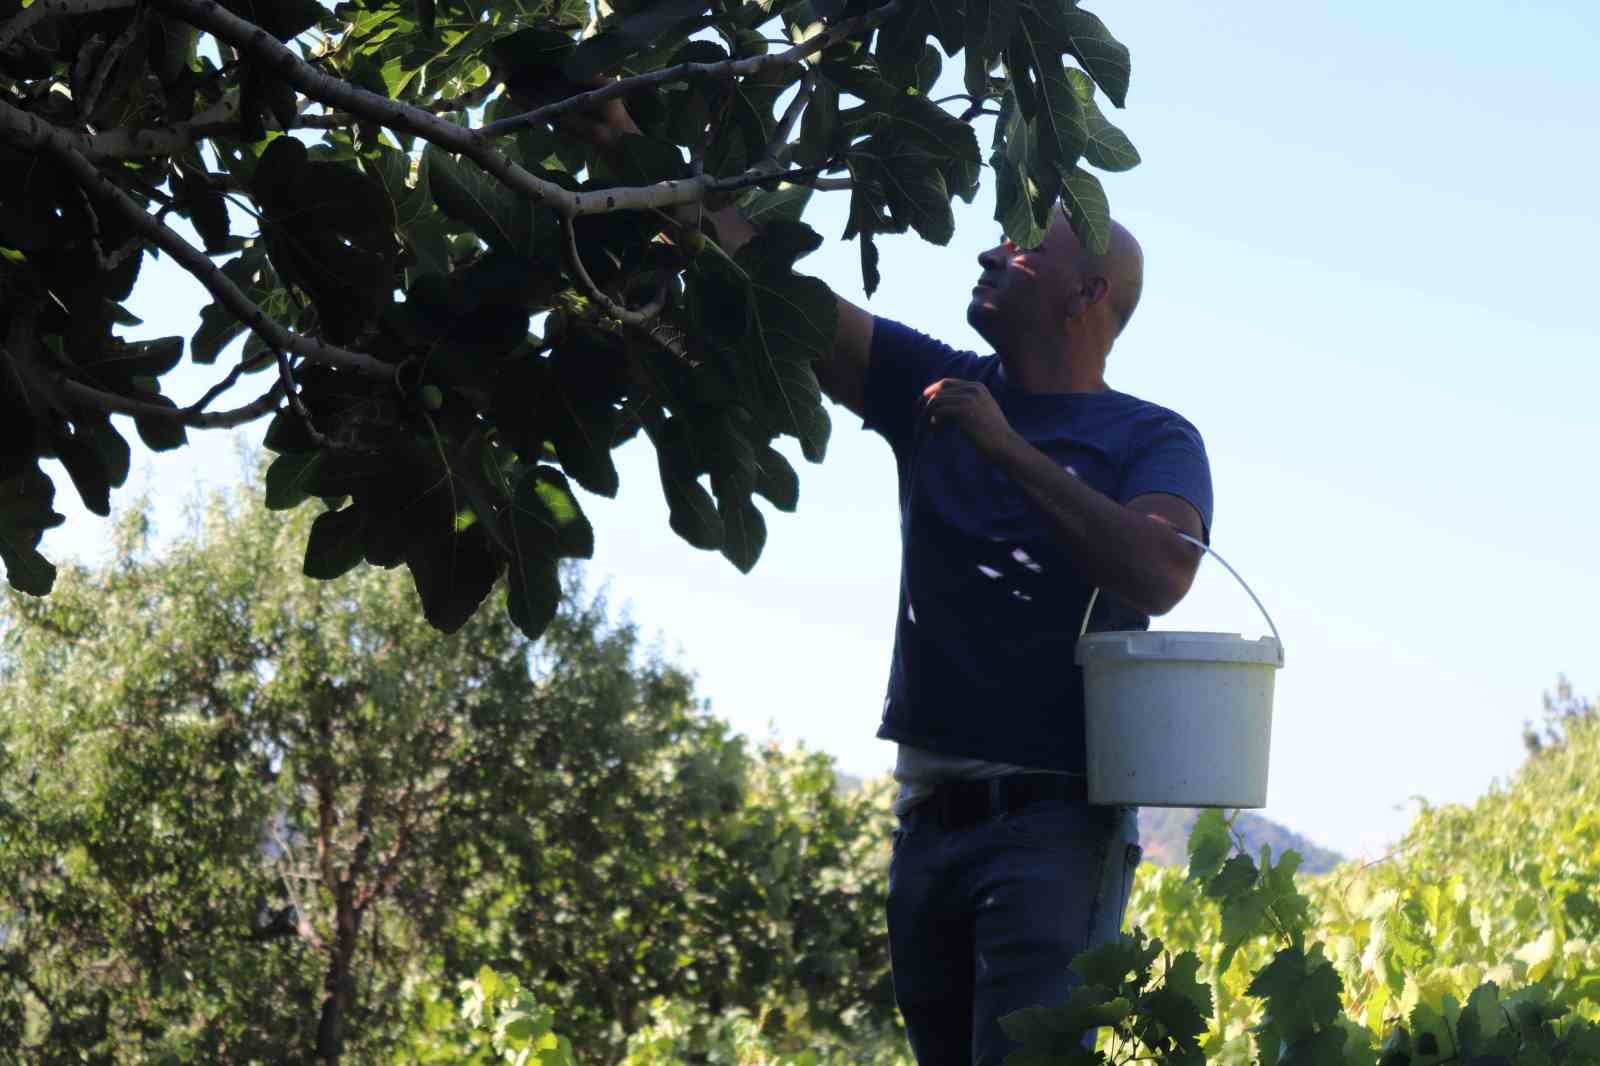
(1057,308)
(1122,266)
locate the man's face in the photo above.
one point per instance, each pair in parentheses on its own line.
(1022,289)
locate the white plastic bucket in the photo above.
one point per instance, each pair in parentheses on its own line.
(1178,719)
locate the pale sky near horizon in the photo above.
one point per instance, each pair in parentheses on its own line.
(1369,232)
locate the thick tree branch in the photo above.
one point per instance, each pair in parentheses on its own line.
(473,144)
(29,131)
(725,70)
(39,10)
(265,49)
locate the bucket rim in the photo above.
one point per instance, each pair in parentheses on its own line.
(1177,646)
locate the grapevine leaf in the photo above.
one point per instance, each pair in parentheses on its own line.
(1302,991)
(1208,845)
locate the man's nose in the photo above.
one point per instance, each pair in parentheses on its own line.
(994,258)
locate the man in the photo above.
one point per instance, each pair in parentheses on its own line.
(1025,483)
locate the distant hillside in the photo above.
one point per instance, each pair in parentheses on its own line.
(1164,834)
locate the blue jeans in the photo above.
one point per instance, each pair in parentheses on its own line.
(984,919)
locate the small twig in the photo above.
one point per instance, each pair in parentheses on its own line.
(791,114)
(199,406)
(286,379)
(759,175)
(105,262)
(639,317)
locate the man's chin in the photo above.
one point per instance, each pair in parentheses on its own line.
(980,313)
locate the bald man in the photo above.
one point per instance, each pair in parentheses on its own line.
(1025,483)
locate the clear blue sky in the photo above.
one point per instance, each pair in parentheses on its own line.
(1370,231)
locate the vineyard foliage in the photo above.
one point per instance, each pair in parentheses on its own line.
(1473,942)
(380,197)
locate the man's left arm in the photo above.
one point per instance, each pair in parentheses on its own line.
(1127,549)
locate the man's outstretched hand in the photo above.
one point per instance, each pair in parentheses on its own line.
(603,126)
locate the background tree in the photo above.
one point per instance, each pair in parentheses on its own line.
(247,816)
(383,262)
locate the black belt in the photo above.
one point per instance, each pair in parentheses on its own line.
(961,803)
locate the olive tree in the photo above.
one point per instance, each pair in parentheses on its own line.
(380,199)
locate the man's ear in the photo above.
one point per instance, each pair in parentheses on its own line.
(1086,295)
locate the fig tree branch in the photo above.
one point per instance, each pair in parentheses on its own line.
(29,131)
(723,70)
(472,144)
(112,403)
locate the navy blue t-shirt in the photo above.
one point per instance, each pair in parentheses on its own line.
(990,605)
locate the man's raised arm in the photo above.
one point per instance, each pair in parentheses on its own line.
(843,373)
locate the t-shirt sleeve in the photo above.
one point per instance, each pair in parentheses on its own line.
(1171,459)
(902,364)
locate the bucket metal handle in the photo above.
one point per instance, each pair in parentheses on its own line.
(1203,546)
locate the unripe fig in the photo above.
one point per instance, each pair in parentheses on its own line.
(430,397)
(694,242)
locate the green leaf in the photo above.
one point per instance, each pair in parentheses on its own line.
(281,18)
(289,477)
(26,511)
(1060,1028)
(744,531)
(1022,205)
(453,573)
(425,15)
(786,202)
(693,513)
(912,183)
(1084,199)
(335,545)
(160,434)
(533,593)
(1209,845)
(621,39)
(989,26)
(545,517)
(464,192)
(253,274)
(1099,53)
(1182,1005)
(1109,965)
(1107,147)
(1302,991)
(330,229)
(776,479)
